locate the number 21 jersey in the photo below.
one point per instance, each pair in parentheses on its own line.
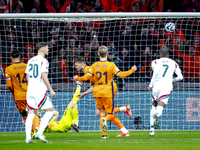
(35,67)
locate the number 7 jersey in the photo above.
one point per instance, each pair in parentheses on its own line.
(163,72)
(35,67)
(16,80)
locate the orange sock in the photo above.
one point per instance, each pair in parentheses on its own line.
(36,121)
(103,133)
(117,122)
(116,110)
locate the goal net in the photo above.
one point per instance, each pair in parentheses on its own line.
(131,39)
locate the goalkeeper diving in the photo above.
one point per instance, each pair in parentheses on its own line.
(69,119)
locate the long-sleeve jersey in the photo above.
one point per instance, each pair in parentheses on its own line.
(103,72)
(163,71)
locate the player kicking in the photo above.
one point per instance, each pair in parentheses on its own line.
(104,89)
(16,83)
(38,84)
(161,84)
(69,119)
(80,65)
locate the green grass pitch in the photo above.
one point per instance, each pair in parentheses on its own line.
(139,140)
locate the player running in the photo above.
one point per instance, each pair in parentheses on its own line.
(80,65)
(38,84)
(104,88)
(161,84)
(16,83)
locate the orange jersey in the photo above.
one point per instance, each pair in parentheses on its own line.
(92,79)
(16,80)
(102,72)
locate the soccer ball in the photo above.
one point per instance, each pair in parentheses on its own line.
(170,27)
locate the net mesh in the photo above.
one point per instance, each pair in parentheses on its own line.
(130,41)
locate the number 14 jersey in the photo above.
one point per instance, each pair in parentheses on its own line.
(35,67)
(16,80)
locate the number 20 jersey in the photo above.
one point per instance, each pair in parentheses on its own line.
(163,70)
(16,73)
(35,67)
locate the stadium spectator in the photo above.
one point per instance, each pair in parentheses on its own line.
(19,7)
(33,10)
(7,7)
(72,50)
(98,7)
(1,71)
(87,5)
(136,6)
(7,47)
(152,29)
(89,53)
(60,66)
(39,5)
(196,42)
(190,5)
(191,64)
(115,5)
(79,7)
(29,52)
(56,6)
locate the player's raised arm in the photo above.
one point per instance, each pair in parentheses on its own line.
(178,73)
(123,74)
(83,78)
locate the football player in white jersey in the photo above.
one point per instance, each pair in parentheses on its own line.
(38,84)
(162,85)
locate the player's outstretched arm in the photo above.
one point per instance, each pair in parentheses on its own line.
(123,74)
(90,90)
(46,82)
(83,78)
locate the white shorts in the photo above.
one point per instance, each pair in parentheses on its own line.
(38,101)
(160,95)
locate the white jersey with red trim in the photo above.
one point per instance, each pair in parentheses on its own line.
(35,67)
(163,72)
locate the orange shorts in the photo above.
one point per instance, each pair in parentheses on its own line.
(21,105)
(106,103)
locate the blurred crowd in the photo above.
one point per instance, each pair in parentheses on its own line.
(85,6)
(129,41)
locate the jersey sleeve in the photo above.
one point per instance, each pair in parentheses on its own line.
(8,79)
(44,66)
(178,73)
(27,69)
(120,73)
(155,73)
(115,70)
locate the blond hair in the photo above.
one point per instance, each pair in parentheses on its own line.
(103,50)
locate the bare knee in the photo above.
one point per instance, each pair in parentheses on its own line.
(72,104)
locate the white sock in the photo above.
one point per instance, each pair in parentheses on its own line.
(159,111)
(152,112)
(124,130)
(122,108)
(29,122)
(45,119)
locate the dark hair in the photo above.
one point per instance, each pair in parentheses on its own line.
(80,60)
(164,51)
(15,53)
(40,45)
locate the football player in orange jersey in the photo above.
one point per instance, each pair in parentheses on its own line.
(103,90)
(81,66)
(16,83)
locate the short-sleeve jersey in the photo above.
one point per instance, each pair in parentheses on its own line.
(16,72)
(92,79)
(35,67)
(103,72)
(164,68)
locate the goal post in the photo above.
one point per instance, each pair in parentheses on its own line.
(132,38)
